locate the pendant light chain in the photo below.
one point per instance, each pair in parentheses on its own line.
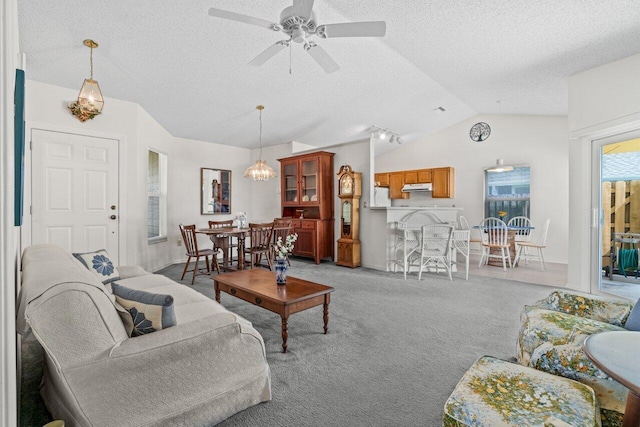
(260,156)
(91,61)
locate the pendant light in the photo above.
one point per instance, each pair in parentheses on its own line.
(500,167)
(90,101)
(260,171)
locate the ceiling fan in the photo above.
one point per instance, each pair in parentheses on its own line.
(299,23)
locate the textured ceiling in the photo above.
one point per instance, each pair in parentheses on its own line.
(189,70)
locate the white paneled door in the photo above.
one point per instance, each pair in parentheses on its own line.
(75,191)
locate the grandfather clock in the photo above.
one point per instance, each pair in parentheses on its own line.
(349,192)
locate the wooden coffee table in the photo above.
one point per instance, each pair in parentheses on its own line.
(258,287)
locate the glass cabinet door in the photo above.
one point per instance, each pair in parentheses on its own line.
(290,181)
(309,184)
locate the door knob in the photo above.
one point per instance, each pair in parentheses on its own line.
(113,217)
(113,207)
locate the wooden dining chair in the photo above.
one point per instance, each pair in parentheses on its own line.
(281,228)
(523,235)
(538,244)
(260,244)
(224,243)
(495,237)
(191,245)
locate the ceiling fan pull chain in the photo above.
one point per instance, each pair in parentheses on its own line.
(289,58)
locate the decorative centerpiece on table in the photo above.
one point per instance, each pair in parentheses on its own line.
(241,217)
(502,215)
(282,249)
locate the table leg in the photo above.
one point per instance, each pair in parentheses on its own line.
(285,334)
(325,311)
(632,411)
(216,287)
(241,252)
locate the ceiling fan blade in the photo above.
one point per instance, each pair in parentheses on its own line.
(353,29)
(302,8)
(268,53)
(225,14)
(322,58)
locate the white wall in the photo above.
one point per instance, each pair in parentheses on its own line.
(540,141)
(603,102)
(9,242)
(46,106)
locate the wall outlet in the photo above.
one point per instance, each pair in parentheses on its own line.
(179,242)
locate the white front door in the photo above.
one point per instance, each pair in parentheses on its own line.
(75,191)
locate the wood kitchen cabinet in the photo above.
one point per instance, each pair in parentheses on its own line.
(396,181)
(307,196)
(411,177)
(423,176)
(443,180)
(381,179)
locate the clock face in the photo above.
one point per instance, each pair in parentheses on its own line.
(480,132)
(346,184)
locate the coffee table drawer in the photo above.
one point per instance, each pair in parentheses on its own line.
(250,297)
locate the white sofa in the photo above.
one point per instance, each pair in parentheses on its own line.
(207,367)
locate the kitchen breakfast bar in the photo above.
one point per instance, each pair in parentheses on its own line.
(386,217)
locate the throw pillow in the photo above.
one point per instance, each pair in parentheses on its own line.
(145,312)
(633,321)
(100,263)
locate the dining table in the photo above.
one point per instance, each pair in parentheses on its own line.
(512,231)
(220,238)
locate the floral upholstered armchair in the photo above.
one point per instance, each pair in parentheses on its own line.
(552,332)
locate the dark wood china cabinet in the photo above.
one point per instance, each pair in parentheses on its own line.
(307,196)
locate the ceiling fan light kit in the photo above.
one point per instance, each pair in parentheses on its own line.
(299,23)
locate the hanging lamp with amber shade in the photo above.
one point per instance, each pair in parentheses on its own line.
(261,171)
(90,101)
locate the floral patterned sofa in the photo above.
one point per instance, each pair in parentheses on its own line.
(551,335)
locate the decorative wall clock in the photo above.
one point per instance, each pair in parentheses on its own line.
(480,132)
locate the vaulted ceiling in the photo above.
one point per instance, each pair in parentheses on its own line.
(190,70)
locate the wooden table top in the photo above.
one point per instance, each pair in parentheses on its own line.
(263,283)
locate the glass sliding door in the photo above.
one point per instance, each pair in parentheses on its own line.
(616,214)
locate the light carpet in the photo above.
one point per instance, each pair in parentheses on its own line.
(394,352)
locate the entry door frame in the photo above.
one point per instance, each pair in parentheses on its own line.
(590,200)
(26,237)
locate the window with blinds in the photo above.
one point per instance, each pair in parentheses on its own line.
(157,197)
(508,192)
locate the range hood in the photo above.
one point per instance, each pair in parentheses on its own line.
(416,187)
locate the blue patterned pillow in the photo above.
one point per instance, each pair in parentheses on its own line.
(145,312)
(100,263)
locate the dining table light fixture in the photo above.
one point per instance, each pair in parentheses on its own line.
(90,102)
(261,171)
(500,167)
